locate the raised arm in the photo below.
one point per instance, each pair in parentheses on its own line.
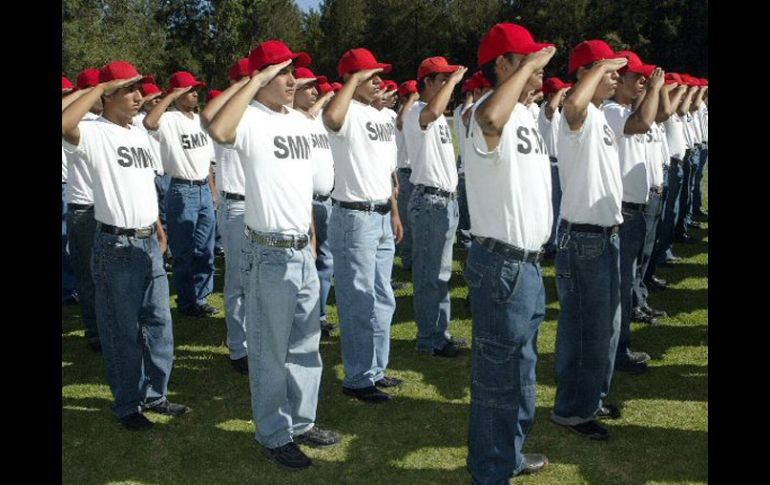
(152,120)
(213,106)
(405,108)
(642,118)
(72,114)
(319,104)
(576,105)
(436,107)
(334,114)
(553,104)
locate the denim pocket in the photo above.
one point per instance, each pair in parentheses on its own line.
(275,256)
(118,249)
(495,371)
(589,245)
(507,280)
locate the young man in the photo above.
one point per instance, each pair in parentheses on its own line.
(548,122)
(81,224)
(68,281)
(404,170)
(690,163)
(509,194)
(278,267)
(187,154)
(433,210)
(463,221)
(632,130)
(587,258)
(307,102)
(230,182)
(363,224)
(132,301)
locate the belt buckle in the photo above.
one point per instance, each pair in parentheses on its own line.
(143,232)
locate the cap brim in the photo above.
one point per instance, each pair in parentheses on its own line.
(537,46)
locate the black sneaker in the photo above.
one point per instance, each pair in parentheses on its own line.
(458,341)
(136,422)
(590,430)
(169,409)
(631,367)
(638,357)
(450,350)
(654,313)
(318,437)
(608,411)
(367,394)
(386,382)
(327,329)
(199,311)
(288,455)
(208,309)
(241,365)
(637,315)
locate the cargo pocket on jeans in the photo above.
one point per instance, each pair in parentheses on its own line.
(494,375)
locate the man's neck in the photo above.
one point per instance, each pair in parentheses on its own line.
(118,120)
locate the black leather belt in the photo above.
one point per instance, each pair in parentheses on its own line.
(509,251)
(364,206)
(79,207)
(405,170)
(632,206)
(189,182)
(233,196)
(434,191)
(277,240)
(141,233)
(321,198)
(568,226)
(656,189)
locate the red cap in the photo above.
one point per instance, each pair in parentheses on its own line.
(239,70)
(118,70)
(66,85)
(480,81)
(212,94)
(359,60)
(671,78)
(635,64)
(305,73)
(504,38)
(407,88)
(149,88)
(88,78)
(553,84)
(336,86)
(272,52)
(468,85)
(688,80)
(587,52)
(182,79)
(324,88)
(434,64)
(389,85)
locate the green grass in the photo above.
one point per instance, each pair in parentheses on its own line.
(419,438)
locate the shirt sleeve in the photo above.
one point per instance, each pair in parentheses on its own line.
(617,116)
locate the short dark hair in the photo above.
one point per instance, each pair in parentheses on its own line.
(488,69)
(430,76)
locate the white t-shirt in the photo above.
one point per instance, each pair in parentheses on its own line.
(697,121)
(80,181)
(689,131)
(430,150)
(120,161)
(63,166)
(364,151)
(534,109)
(654,159)
(509,188)
(549,129)
(402,156)
(275,150)
(323,161)
(632,151)
(589,171)
(461,132)
(704,113)
(154,143)
(229,173)
(185,147)
(663,142)
(677,144)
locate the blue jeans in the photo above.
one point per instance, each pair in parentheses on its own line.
(670,212)
(285,366)
(464,223)
(689,167)
(631,238)
(433,219)
(134,320)
(507,300)
(190,219)
(68,281)
(81,227)
(404,194)
(231,222)
(697,194)
(651,218)
(588,284)
(550,245)
(362,245)
(324,262)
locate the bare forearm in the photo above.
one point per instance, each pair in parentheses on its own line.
(213,106)
(576,106)
(334,114)
(152,120)
(222,128)
(436,107)
(494,113)
(74,112)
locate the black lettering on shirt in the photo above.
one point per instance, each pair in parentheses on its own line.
(136,157)
(523,133)
(195,140)
(380,131)
(296,147)
(444,134)
(124,157)
(607,138)
(320,141)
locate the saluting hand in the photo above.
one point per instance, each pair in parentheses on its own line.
(111,86)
